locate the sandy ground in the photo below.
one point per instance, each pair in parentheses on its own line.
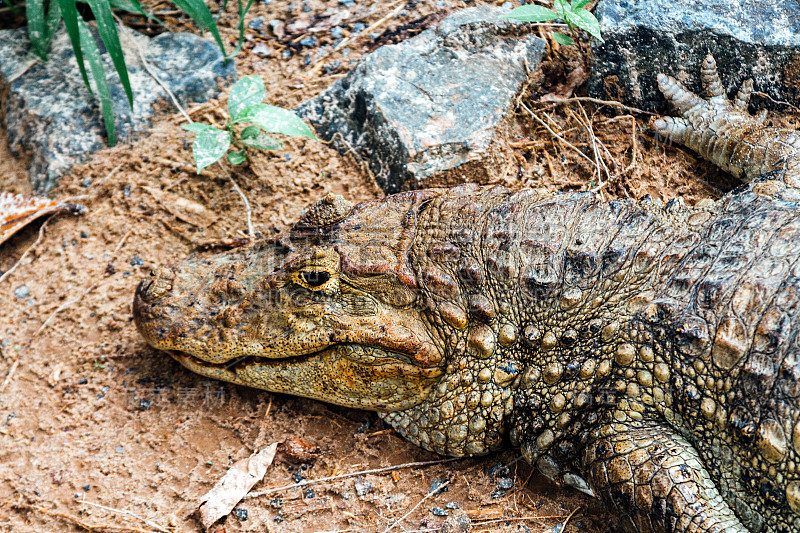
(99,432)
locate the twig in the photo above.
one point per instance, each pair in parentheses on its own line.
(437,490)
(602,102)
(250,232)
(564,525)
(556,135)
(108,176)
(31,247)
(148,523)
(261,437)
(351,474)
(10,375)
(78,522)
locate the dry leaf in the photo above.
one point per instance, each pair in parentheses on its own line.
(17,211)
(233,486)
(186,210)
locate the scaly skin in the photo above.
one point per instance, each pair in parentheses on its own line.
(643,352)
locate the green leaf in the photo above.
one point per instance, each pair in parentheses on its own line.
(92,55)
(244,93)
(69,12)
(575,5)
(13,7)
(34,12)
(237,158)
(561,7)
(53,19)
(586,21)
(560,38)
(261,141)
(531,14)
(198,11)
(242,13)
(108,32)
(274,119)
(209,145)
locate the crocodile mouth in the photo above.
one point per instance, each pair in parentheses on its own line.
(229,368)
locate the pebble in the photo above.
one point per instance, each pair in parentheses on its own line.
(438,511)
(438,485)
(256,24)
(136,261)
(337,32)
(22,292)
(240,513)
(119,449)
(498,469)
(358,27)
(332,66)
(453,505)
(286,54)
(505,483)
(86,182)
(276,503)
(87,488)
(308,42)
(261,50)
(308,494)
(497,494)
(363,487)
(347,3)
(144,404)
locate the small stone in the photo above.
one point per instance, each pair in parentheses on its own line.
(240,513)
(87,488)
(358,27)
(256,24)
(438,485)
(497,494)
(308,42)
(498,469)
(438,511)
(308,494)
(136,261)
(261,50)
(22,292)
(120,450)
(276,503)
(347,3)
(337,32)
(86,181)
(505,483)
(362,487)
(452,505)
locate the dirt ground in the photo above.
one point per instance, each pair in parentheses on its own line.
(99,432)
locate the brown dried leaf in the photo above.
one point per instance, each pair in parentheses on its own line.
(184,209)
(233,486)
(17,211)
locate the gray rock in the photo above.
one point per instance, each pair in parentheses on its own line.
(757,39)
(434,104)
(52,118)
(21,292)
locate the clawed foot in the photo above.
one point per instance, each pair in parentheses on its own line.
(723,131)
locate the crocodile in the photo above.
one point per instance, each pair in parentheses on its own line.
(645,352)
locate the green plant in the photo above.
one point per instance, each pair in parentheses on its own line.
(43,17)
(572,13)
(245,110)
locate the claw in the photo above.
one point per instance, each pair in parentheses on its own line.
(682,99)
(672,128)
(742,99)
(709,78)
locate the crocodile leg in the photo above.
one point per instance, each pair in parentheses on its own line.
(656,481)
(724,133)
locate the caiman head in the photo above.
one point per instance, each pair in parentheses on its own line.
(328,311)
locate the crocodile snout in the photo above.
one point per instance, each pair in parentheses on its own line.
(156,285)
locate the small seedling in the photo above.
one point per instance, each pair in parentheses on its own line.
(245,108)
(572,13)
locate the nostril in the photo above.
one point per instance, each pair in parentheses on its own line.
(158,283)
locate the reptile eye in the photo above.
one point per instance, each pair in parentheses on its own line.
(313,278)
